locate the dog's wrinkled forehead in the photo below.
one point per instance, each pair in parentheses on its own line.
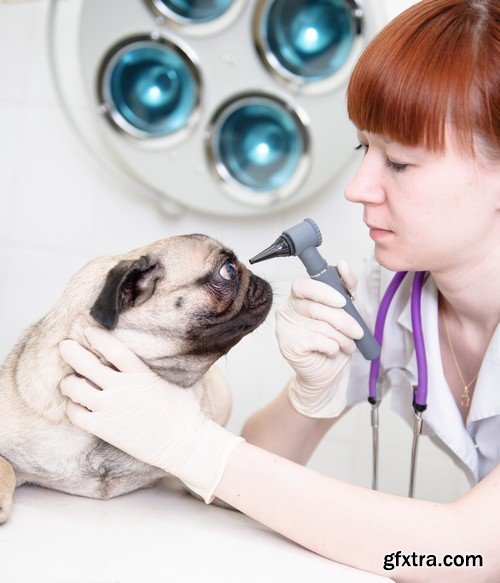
(193,256)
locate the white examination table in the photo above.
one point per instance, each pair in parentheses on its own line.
(150,536)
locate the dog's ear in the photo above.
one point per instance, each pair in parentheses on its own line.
(129,283)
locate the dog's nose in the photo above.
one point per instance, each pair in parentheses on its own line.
(259,292)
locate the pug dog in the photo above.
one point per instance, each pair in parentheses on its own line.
(179,304)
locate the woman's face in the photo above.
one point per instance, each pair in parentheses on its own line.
(436,210)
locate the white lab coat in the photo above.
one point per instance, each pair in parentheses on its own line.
(476,446)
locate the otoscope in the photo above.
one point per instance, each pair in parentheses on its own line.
(302,240)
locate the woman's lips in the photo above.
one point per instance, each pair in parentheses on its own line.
(377,234)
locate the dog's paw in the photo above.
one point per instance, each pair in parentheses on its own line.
(7,486)
(5,506)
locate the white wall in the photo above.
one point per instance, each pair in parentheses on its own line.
(58,209)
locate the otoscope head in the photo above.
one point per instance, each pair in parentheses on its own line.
(280,248)
(293,241)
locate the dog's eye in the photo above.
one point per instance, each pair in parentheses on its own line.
(228,271)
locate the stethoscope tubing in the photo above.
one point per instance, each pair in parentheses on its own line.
(420,390)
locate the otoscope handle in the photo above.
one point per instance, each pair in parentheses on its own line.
(302,240)
(368,346)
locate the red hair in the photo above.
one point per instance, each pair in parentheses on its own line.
(438,61)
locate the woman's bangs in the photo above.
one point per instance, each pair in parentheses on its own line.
(403,97)
(423,70)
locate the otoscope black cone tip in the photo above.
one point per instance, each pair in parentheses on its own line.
(280,248)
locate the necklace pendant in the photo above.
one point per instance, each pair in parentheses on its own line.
(465,400)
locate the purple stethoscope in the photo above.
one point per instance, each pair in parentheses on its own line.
(420,390)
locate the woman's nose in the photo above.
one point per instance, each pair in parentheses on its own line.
(366,185)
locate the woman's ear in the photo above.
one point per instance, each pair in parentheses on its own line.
(129,283)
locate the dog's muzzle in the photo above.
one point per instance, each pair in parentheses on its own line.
(259,294)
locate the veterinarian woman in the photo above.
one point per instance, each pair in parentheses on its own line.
(424,97)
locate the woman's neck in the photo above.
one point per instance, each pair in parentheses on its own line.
(470,291)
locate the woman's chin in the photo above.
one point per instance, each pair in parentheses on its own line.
(393,261)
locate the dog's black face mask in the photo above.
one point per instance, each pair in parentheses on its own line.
(241,302)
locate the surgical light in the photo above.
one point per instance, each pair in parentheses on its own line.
(229,108)
(306,40)
(259,144)
(150,88)
(194,11)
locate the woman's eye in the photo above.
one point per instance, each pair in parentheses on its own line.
(228,271)
(363,147)
(395,166)
(389,163)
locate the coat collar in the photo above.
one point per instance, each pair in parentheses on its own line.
(442,414)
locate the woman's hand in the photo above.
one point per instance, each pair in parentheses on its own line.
(142,414)
(316,336)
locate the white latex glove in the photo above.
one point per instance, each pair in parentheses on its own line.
(315,335)
(144,415)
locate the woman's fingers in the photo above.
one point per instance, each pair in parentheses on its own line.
(346,344)
(339,319)
(80,391)
(79,416)
(318,291)
(85,363)
(349,277)
(114,351)
(322,344)
(289,316)
(329,345)
(310,289)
